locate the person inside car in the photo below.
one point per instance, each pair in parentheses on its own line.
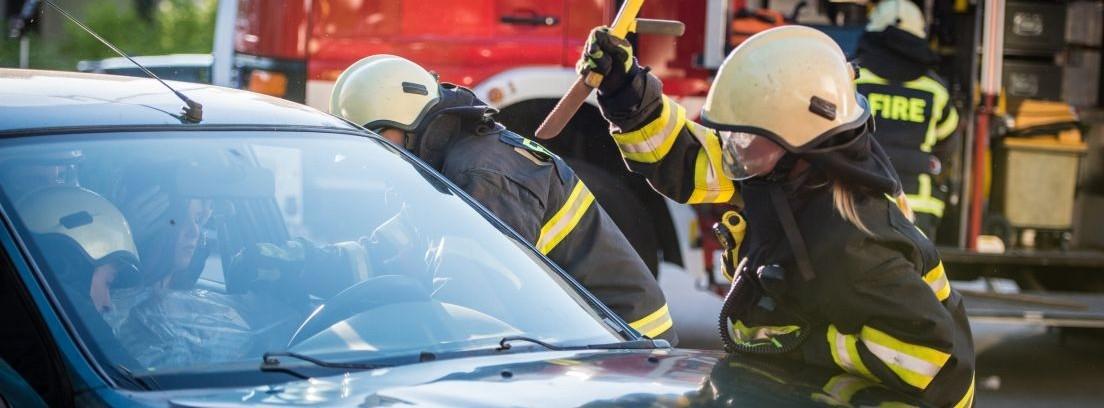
(96,252)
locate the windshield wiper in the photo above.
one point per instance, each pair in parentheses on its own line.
(124,373)
(504,344)
(270,363)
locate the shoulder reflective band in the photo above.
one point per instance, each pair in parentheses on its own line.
(652,142)
(914,364)
(937,281)
(565,220)
(655,323)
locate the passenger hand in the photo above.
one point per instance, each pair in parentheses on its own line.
(607,55)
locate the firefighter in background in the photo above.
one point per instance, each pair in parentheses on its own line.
(522,183)
(912,106)
(831,272)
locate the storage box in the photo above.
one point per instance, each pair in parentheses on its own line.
(1036,181)
(1034,27)
(1032,80)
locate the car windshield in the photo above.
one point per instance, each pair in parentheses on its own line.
(189,252)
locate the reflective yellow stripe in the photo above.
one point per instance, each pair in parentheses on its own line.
(710,184)
(922,201)
(846,354)
(867,76)
(967,400)
(937,281)
(914,364)
(947,125)
(652,142)
(926,205)
(565,220)
(940,97)
(843,387)
(655,323)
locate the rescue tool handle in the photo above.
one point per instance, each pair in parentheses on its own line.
(580,90)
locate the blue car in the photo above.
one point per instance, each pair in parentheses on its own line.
(272,254)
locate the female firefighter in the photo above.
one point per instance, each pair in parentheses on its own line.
(831,272)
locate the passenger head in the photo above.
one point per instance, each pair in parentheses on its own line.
(85,240)
(167,225)
(784,103)
(21,175)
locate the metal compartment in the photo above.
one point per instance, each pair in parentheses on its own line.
(1034,27)
(1032,80)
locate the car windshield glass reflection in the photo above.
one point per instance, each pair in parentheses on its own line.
(187,252)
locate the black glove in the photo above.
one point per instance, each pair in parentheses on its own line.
(610,56)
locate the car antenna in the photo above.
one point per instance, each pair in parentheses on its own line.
(193,111)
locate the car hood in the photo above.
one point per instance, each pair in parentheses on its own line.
(670,377)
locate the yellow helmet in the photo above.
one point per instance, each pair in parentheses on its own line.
(791,85)
(384,91)
(904,14)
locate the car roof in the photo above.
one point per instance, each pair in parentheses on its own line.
(37,99)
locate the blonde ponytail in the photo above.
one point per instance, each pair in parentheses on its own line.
(843,199)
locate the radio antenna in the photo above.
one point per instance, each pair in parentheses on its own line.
(192,111)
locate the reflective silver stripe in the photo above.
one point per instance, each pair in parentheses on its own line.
(565,220)
(652,142)
(844,355)
(893,357)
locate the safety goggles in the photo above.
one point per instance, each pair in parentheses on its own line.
(747,155)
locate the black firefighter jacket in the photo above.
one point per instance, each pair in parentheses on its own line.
(540,197)
(913,110)
(880,306)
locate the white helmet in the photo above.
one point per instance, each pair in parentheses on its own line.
(384,91)
(77,228)
(904,14)
(789,85)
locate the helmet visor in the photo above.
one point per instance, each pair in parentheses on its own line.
(746,155)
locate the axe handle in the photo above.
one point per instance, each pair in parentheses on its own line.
(565,109)
(556,120)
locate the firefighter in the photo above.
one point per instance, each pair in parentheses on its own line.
(522,183)
(915,114)
(831,271)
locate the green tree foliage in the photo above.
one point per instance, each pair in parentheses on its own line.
(178,26)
